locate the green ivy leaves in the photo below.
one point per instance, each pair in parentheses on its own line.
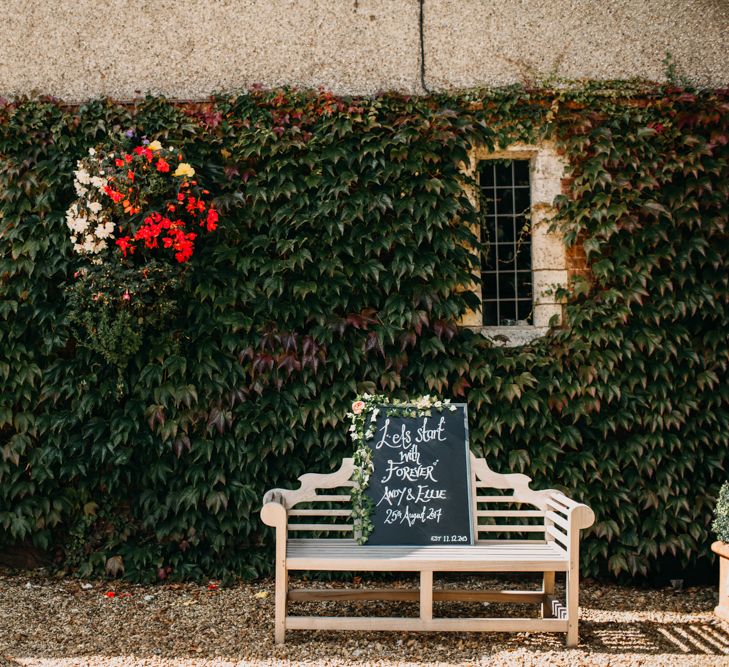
(337,268)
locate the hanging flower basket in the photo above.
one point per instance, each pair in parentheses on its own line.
(138,216)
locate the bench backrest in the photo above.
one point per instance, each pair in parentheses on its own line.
(504,507)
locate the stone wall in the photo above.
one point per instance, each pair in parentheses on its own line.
(76,49)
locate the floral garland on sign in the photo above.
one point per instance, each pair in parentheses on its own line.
(365,410)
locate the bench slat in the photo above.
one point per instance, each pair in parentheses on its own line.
(514,513)
(557,507)
(558,535)
(320,526)
(321,512)
(435,624)
(558,519)
(509,528)
(413,595)
(332,499)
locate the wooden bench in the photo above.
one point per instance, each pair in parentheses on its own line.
(544,538)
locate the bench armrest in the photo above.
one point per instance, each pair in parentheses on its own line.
(273,513)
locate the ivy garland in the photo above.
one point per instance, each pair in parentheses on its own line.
(365,410)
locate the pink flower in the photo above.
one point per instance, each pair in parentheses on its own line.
(126,296)
(357,407)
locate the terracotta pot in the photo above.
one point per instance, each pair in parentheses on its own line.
(722,550)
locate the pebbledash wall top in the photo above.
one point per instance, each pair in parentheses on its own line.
(78,49)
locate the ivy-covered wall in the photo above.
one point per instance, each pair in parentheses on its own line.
(343,240)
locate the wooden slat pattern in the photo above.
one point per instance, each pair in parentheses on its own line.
(303,554)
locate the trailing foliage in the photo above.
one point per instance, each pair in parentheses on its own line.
(721,514)
(337,268)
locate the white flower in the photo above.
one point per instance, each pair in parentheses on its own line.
(89,244)
(80,189)
(92,152)
(352,428)
(109,227)
(100,245)
(98,182)
(94,207)
(82,176)
(355,436)
(103,232)
(452,408)
(78,225)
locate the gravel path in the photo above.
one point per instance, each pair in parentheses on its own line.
(46,622)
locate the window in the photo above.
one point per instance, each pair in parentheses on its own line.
(521,260)
(506,248)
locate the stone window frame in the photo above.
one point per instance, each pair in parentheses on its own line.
(547,169)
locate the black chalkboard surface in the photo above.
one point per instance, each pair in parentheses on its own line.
(421,482)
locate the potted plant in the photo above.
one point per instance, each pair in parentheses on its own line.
(721,547)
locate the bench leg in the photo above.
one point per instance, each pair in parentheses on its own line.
(573,589)
(282,591)
(426,596)
(547,589)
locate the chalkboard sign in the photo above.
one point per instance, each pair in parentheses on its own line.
(421,484)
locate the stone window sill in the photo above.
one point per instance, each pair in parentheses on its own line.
(512,336)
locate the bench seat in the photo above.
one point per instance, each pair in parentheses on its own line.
(346,555)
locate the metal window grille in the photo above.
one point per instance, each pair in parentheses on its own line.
(506,255)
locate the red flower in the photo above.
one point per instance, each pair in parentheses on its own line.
(125,245)
(128,158)
(163,166)
(119,163)
(180,196)
(130,175)
(110,594)
(212,220)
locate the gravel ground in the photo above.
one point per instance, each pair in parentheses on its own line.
(47,622)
